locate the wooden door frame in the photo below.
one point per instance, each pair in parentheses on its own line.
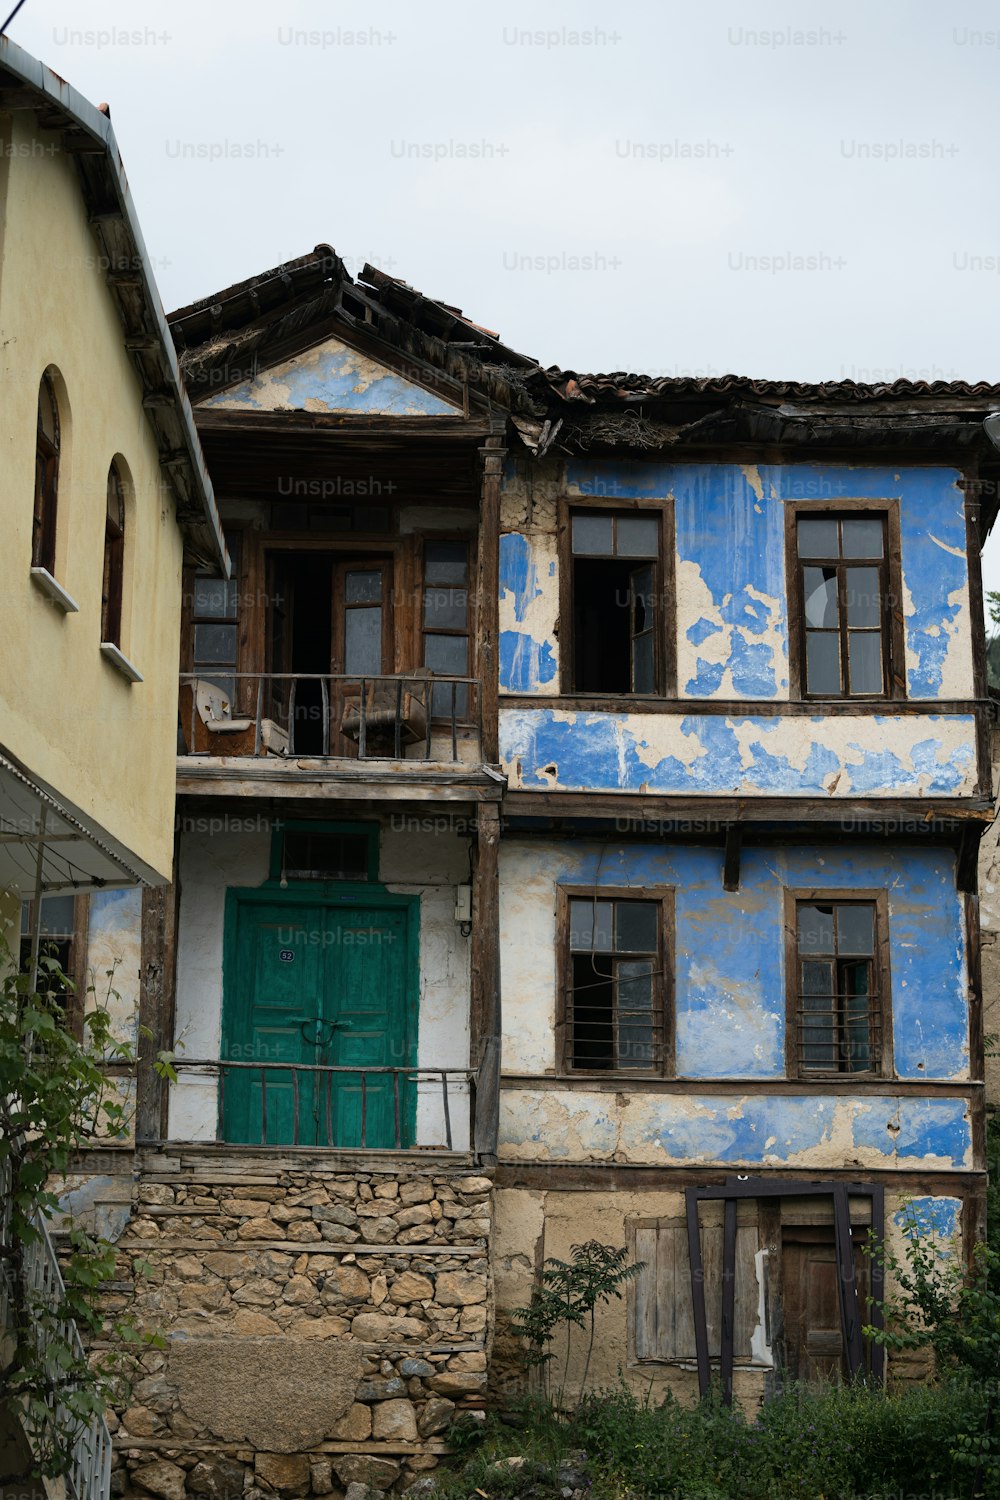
(348,896)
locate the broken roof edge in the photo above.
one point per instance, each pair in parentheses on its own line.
(204,533)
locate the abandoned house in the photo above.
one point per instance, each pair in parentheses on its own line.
(579,785)
(104,493)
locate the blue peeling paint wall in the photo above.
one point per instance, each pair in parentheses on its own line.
(732,625)
(727,965)
(335,378)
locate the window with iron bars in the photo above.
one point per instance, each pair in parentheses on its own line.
(840,987)
(614,1008)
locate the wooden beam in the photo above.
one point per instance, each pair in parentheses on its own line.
(493,454)
(731,867)
(485,1016)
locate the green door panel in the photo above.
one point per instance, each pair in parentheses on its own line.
(327,986)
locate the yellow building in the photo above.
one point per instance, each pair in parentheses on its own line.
(104,497)
(102,492)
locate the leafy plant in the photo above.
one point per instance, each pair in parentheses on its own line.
(55,1098)
(569,1294)
(953,1309)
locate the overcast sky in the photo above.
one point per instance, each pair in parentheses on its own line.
(799,191)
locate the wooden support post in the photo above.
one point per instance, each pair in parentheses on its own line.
(728,1300)
(485,1025)
(850,1311)
(487,596)
(156,987)
(698,1292)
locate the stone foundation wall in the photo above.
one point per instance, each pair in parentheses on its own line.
(323,1325)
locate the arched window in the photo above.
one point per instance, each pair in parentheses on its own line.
(114,552)
(43,532)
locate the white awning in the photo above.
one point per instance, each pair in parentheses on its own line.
(74,857)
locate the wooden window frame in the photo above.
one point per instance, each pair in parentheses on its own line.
(664,993)
(282,826)
(78,968)
(113,581)
(46,503)
(893,644)
(665,639)
(879,900)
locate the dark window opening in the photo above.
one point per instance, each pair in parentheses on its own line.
(838,1011)
(114,559)
(325,856)
(370,519)
(614,1019)
(43,531)
(842,562)
(615,608)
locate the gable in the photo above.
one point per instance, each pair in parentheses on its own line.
(332,377)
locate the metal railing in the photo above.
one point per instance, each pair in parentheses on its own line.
(424,1102)
(327,714)
(89,1474)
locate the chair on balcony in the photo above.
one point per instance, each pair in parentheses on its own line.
(209,727)
(385,703)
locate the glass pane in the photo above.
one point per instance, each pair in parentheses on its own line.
(325,856)
(448,654)
(57,916)
(638,536)
(47,421)
(817,538)
(446,562)
(642,664)
(855,930)
(822,662)
(864,596)
(445,609)
(865,657)
(214,643)
(116,499)
(214,598)
(817,982)
(635,1043)
(636,927)
(821,604)
(592,536)
(815,929)
(590,926)
(641,594)
(329,518)
(363,641)
(635,985)
(863,537)
(364,588)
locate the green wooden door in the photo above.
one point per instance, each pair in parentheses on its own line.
(327,987)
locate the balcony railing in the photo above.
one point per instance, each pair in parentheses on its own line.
(340,1107)
(411,715)
(89,1475)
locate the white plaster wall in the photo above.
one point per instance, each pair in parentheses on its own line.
(424,856)
(528,875)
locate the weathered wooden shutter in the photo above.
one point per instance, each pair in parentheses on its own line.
(664,1314)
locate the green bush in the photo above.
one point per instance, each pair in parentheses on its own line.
(842,1443)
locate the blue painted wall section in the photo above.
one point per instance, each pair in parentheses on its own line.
(333,377)
(741,1130)
(581,751)
(730,528)
(940,1217)
(729,964)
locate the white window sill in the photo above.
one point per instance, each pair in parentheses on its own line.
(120,662)
(53,591)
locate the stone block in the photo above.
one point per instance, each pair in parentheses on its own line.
(436,1416)
(459,1288)
(359,1468)
(218,1478)
(355,1426)
(374,1328)
(161,1478)
(394,1422)
(412,1287)
(415,1192)
(286,1473)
